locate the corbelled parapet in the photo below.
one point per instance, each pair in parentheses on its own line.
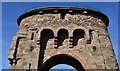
(62,35)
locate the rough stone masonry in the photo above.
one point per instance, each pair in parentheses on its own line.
(62,35)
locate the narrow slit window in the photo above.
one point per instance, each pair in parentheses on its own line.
(32,36)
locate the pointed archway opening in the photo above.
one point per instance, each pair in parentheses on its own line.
(62,59)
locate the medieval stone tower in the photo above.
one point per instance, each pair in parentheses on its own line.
(62,35)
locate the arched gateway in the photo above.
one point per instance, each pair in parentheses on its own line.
(62,35)
(62,59)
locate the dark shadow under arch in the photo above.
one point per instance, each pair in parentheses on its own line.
(62,35)
(77,34)
(62,59)
(46,34)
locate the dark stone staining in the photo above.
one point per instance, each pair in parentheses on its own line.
(94,48)
(37,31)
(31,48)
(27,27)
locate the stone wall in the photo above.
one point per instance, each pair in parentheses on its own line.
(90,44)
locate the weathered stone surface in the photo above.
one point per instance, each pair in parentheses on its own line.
(82,36)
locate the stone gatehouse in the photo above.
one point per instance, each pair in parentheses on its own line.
(62,35)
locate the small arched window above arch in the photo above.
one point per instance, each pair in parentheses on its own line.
(62,35)
(46,34)
(77,34)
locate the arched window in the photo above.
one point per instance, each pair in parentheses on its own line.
(77,34)
(62,35)
(46,34)
(62,59)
